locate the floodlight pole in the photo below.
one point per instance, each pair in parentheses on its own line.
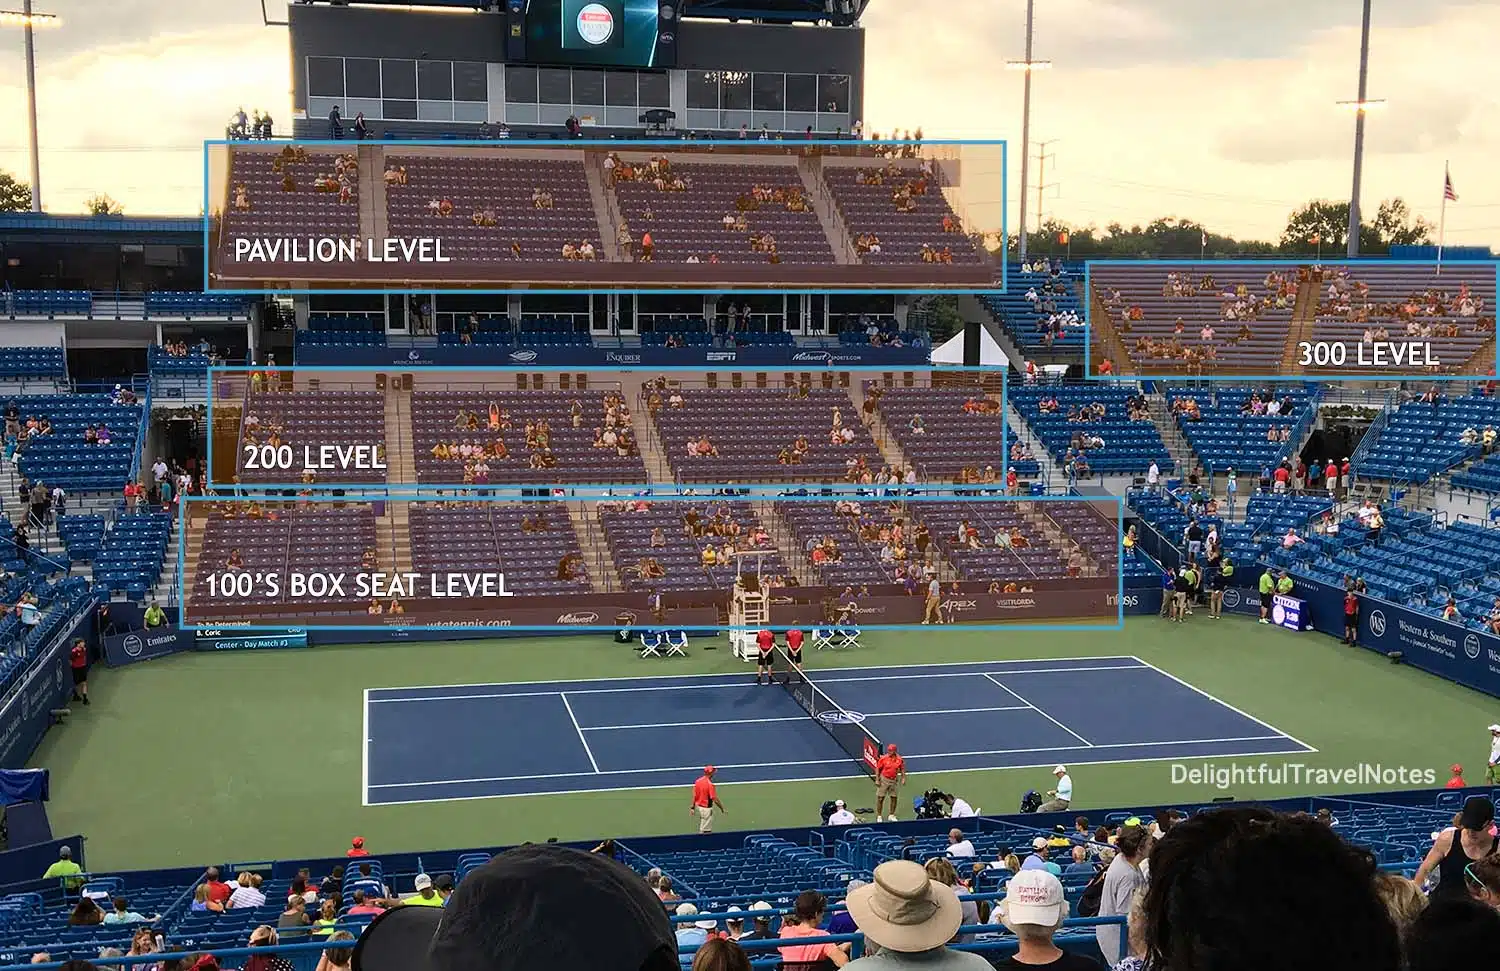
(36,155)
(1359,131)
(1026,124)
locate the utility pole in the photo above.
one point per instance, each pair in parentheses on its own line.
(1042,185)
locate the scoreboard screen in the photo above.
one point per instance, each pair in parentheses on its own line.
(600,33)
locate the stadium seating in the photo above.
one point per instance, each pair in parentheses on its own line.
(690,223)
(502,185)
(1225,433)
(631,535)
(1043,556)
(1024,318)
(195,362)
(51,303)
(32,363)
(191,304)
(129,559)
(859,562)
(524,541)
(301,211)
(64,458)
(942,431)
(1452,311)
(310,420)
(328,539)
(327,330)
(1129,446)
(434,416)
(1418,562)
(1422,439)
(869,209)
(750,428)
(1161,311)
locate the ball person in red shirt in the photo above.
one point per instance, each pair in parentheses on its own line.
(794,646)
(766,642)
(78,660)
(706,800)
(890,776)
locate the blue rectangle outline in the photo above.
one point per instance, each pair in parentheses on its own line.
(364,489)
(1119,623)
(1088,313)
(620,143)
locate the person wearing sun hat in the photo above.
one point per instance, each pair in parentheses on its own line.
(911,918)
(1034,908)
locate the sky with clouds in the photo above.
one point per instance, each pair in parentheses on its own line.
(1200,109)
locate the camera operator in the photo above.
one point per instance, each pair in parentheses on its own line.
(934,804)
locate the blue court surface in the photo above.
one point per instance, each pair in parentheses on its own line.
(429,744)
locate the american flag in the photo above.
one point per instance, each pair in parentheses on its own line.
(1448,193)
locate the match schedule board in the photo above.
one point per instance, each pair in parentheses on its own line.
(649,560)
(1382,320)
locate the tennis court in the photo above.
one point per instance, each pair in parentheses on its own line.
(452,742)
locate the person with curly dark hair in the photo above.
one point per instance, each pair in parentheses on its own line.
(1245,889)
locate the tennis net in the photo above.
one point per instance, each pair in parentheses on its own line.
(846,727)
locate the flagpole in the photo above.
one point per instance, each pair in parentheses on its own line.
(1443,218)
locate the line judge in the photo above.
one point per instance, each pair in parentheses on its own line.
(706,800)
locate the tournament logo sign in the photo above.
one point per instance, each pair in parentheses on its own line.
(1377,623)
(133,645)
(595,24)
(1231,598)
(1471,646)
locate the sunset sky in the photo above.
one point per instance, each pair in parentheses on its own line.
(1218,112)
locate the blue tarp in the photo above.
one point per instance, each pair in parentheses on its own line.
(23,785)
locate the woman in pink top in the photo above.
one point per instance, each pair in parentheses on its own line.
(804,921)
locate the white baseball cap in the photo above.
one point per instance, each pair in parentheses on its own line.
(1495,728)
(1060,770)
(760,905)
(839,803)
(1040,843)
(1034,897)
(422,882)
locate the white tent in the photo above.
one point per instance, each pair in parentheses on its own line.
(952,351)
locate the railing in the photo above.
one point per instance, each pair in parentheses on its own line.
(140,433)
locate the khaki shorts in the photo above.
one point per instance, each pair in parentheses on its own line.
(885,787)
(705,819)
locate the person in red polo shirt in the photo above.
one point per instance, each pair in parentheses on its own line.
(357,847)
(78,660)
(794,646)
(706,800)
(765,641)
(890,776)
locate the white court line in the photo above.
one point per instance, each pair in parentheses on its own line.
(574,718)
(746,684)
(364,752)
(689,678)
(1219,701)
(791,718)
(852,774)
(772,765)
(1014,694)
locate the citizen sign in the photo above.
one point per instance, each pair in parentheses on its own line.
(133,645)
(1471,646)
